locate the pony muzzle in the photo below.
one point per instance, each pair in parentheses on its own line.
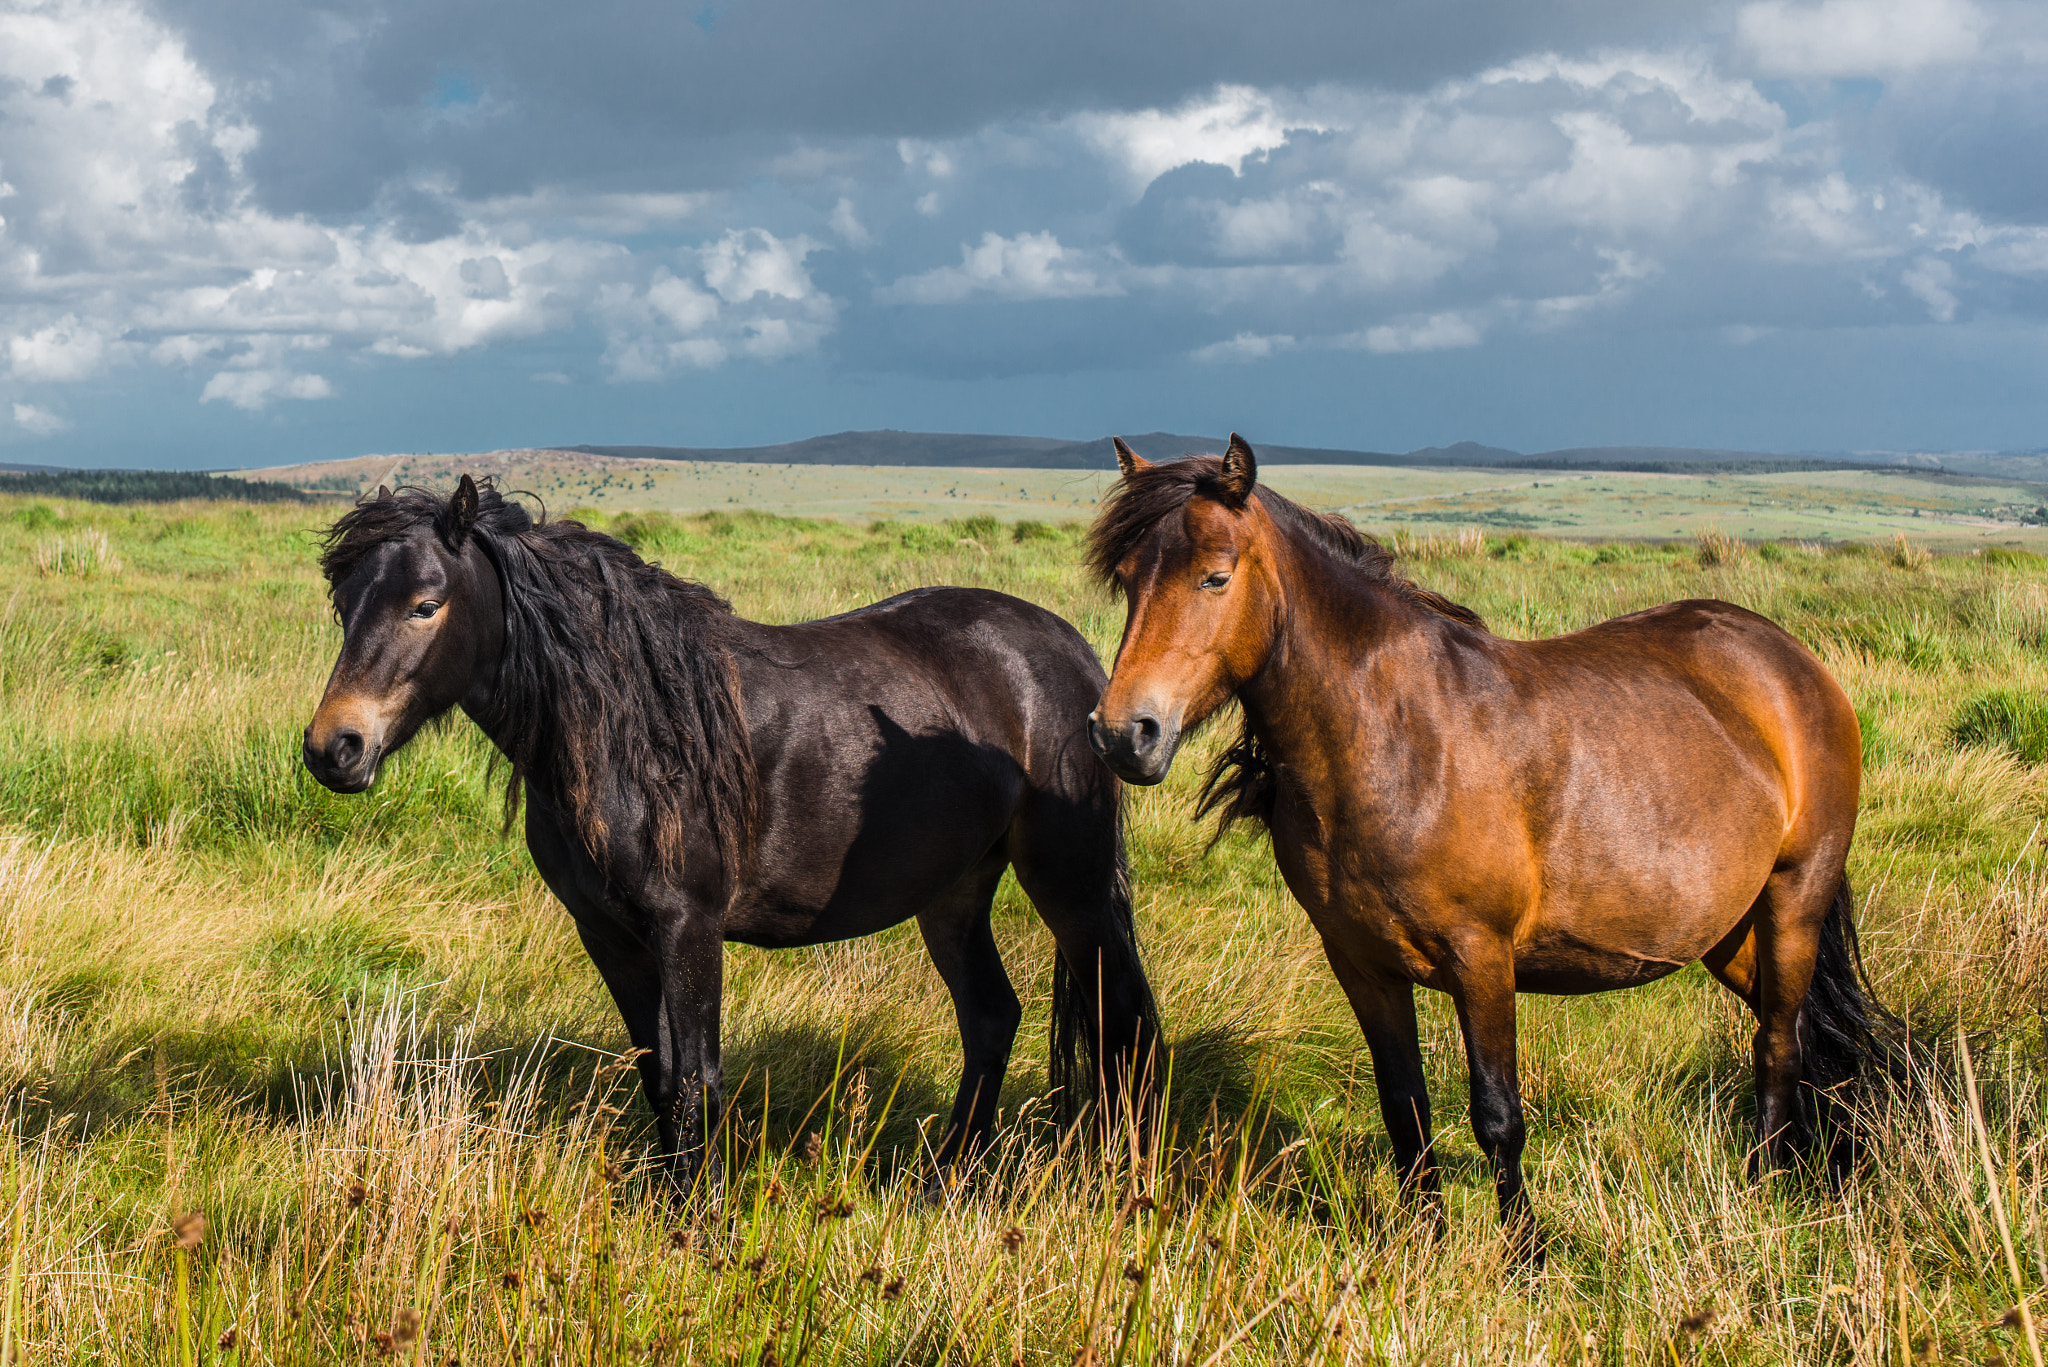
(1138,748)
(343,754)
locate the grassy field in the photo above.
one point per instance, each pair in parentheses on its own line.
(297,1078)
(1950,511)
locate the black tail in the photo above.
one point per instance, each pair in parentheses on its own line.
(1075,1010)
(1842,1030)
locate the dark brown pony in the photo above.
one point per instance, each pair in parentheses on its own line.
(1485,816)
(691,777)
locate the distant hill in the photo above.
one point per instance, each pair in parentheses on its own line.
(962,449)
(965,449)
(2028,465)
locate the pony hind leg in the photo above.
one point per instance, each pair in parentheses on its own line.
(1769,960)
(962,946)
(1800,938)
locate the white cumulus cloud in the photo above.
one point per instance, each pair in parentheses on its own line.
(253,390)
(747,294)
(133,234)
(1245,346)
(1436,332)
(1859,37)
(63,350)
(1027,266)
(39,421)
(1227,126)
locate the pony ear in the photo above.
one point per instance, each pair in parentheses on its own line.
(383,492)
(1240,472)
(463,510)
(1127,460)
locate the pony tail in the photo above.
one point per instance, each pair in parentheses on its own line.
(1069,1027)
(1073,1007)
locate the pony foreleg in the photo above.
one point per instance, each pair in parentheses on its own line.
(1386,1015)
(1485,996)
(687,1109)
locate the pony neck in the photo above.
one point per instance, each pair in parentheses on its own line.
(1331,625)
(616,697)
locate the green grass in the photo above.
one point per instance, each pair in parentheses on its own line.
(2003,720)
(359,1037)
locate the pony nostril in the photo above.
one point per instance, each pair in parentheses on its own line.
(1144,733)
(346,748)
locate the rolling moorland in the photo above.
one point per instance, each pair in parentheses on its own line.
(1931,507)
(299,1078)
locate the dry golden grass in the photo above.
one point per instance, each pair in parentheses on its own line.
(358,1038)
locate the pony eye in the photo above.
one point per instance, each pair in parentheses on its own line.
(426,610)
(1216,580)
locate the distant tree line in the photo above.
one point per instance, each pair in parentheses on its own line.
(1765,466)
(145,486)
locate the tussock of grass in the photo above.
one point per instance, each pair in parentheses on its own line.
(82,555)
(359,1037)
(1461,544)
(1902,554)
(2003,719)
(1715,547)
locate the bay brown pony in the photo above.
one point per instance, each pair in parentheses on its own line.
(1485,816)
(691,777)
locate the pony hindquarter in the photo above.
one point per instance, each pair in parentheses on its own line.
(1487,817)
(692,778)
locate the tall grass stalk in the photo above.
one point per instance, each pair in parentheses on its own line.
(359,1034)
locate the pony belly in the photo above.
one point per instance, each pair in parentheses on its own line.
(1560,971)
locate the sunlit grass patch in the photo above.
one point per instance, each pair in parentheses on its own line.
(2003,719)
(359,1036)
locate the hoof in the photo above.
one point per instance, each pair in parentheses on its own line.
(1432,1220)
(701,1193)
(944,1185)
(1525,1246)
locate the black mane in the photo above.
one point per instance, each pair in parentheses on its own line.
(616,677)
(1244,781)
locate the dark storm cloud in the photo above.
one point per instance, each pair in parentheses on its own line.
(685,95)
(304,197)
(1980,135)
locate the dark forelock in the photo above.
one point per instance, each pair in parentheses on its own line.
(1140,501)
(378,521)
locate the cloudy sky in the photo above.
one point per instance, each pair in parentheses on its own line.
(244,231)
